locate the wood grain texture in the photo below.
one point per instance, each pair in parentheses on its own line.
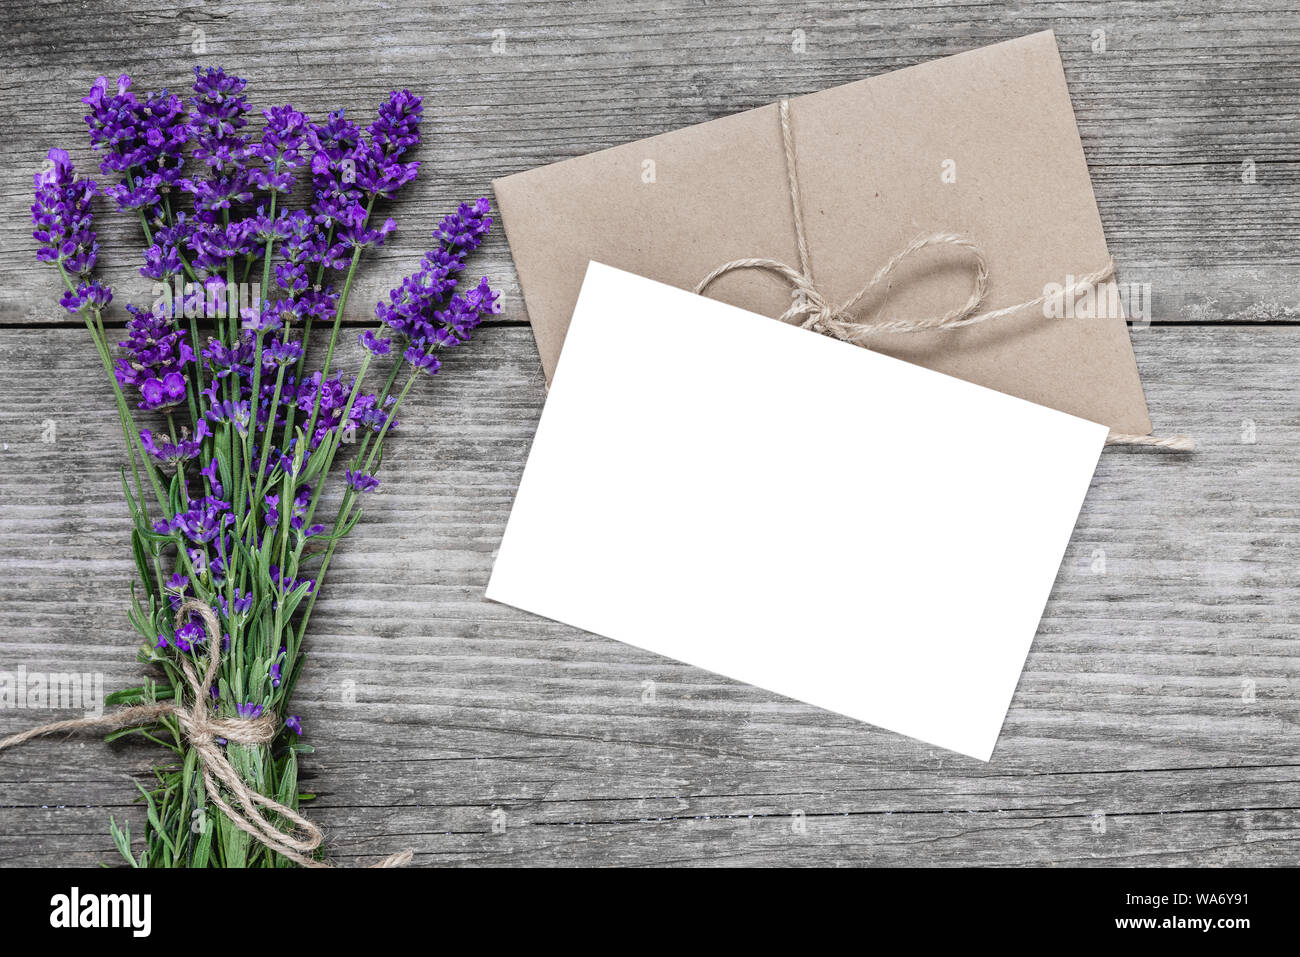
(433,709)
(1157,718)
(1183,95)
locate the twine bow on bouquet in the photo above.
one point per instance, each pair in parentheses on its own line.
(207,736)
(244,422)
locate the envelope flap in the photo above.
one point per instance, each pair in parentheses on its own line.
(983,144)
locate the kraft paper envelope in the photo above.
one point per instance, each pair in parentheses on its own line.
(872,158)
(755,505)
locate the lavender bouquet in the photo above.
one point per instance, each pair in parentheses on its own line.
(231,432)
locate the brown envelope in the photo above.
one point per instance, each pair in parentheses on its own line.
(871,159)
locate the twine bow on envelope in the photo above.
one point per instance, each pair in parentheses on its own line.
(812,310)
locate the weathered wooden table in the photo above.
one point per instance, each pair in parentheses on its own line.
(1157,719)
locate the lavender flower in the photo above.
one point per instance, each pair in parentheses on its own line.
(177,453)
(276,673)
(217,114)
(189,635)
(362,482)
(252,431)
(156,355)
(93,295)
(240,605)
(227,360)
(336,146)
(398,125)
(330,397)
(396,130)
(213,244)
(279,353)
(303,246)
(209,472)
(145,142)
(353,232)
(202,520)
(63,217)
(280,149)
(287,583)
(420,309)
(464,230)
(225,412)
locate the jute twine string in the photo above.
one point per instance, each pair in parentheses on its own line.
(812,310)
(202,729)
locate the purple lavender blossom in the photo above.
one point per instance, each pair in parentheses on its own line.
(422,360)
(464,230)
(424,309)
(202,520)
(156,355)
(280,149)
(240,606)
(249,710)
(361,481)
(223,360)
(212,243)
(217,114)
(225,412)
(189,635)
(63,217)
(261,317)
(398,125)
(335,146)
(288,583)
(303,247)
(332,396)
(93,295)
(350,170)
(374,344)
(392,134)
(279,353)
(175,453)
(144,141)
(294,724)
(352,232)
(209,472)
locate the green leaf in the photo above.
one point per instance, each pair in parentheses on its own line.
(152,814)
(293,598)
(176,494)
(122,841)
(347,527)
(221,450)
(142,563)
(144,693)
(288,789)
(234,841)
(314,464)
(137,515)
(203,846)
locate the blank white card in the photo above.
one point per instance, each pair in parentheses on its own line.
(794,512)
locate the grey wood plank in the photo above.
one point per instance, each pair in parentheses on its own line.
(1182,97)
(1160,692)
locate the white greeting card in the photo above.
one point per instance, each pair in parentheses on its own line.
(792,511)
